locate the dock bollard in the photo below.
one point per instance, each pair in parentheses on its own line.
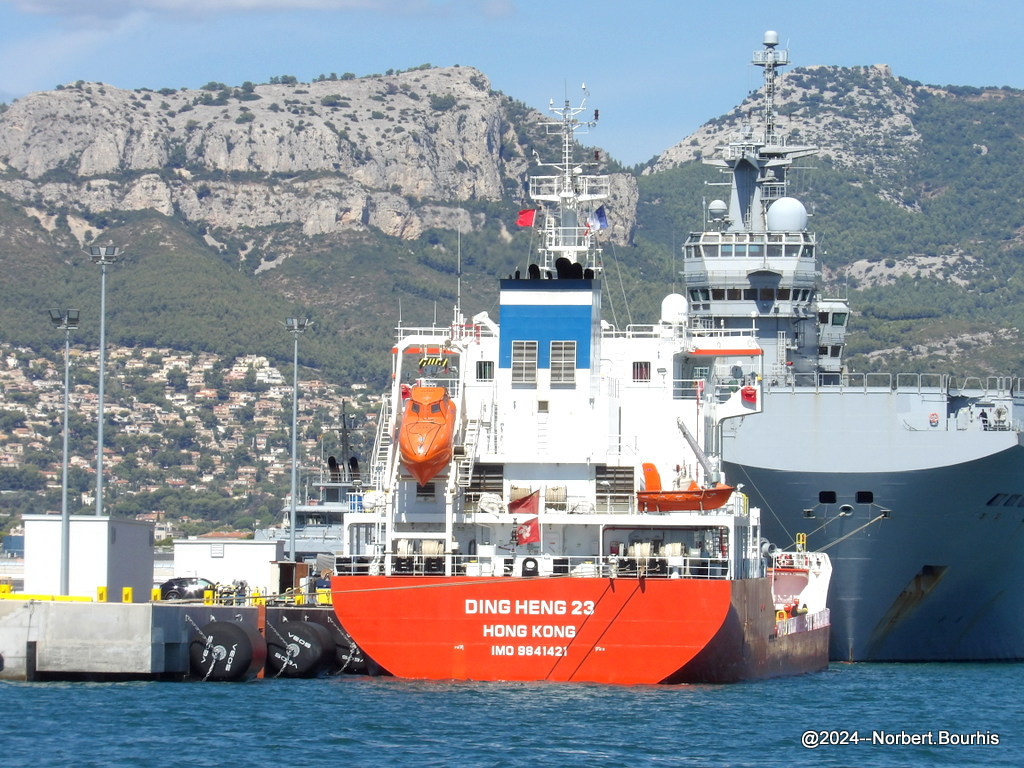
(101,594)
(154,594)
(208,597)
(127,594)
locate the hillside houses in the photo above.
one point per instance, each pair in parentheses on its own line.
(189,422)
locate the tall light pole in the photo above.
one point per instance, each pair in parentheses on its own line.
(102,255)
(67,321)
(295,326)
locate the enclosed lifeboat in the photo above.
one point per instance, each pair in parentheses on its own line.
(693,498)
(427,431)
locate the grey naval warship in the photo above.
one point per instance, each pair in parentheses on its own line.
(913,483)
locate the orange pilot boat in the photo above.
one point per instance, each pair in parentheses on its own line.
(425,437)
(656,499)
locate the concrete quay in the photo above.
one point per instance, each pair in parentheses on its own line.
(55,639)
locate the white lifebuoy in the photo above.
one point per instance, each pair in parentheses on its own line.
(933,419)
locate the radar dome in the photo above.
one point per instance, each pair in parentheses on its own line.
(787,214)
(771,38)
(717,209)
(674,308)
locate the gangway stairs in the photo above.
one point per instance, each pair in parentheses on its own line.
(383,460)
(464,463)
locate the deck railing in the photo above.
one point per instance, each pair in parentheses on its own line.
(535,566)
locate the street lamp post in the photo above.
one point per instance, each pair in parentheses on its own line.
(67,321)
(102,255)
(295,326)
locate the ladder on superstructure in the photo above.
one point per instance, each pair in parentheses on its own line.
(464,466)
(382,450)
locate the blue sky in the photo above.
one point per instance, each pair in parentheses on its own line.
(657,69)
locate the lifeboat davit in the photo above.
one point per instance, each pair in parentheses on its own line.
(693,498)
(427,431)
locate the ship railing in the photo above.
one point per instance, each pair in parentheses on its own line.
(435,334)
(528,564)
(991,386)
(568,239)
(803,623)
(583,187)
(884,382)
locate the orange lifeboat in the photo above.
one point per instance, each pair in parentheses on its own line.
(655,499)
(427,431)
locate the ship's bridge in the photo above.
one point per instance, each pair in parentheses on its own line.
(731,274)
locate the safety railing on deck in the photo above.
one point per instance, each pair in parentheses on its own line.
(536,565)
(900,382)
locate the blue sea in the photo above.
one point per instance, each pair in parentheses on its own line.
(857,714)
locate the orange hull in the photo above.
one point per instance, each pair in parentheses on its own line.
(695,498)
(604,630)
(427,431)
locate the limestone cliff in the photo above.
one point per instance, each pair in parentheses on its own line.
(396,153)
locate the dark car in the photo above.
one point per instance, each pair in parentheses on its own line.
(186,587)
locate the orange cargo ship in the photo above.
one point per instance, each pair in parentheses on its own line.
(626,630)
(523,547)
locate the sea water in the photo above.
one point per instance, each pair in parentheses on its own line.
(849,715)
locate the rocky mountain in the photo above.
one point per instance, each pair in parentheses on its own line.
(356,200)
(395,153)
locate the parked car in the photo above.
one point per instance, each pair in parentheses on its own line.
(186,588)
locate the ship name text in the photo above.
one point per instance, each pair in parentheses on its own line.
(505,607)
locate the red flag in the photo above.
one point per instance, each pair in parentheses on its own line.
(528,532)
(528,505)
(527,217)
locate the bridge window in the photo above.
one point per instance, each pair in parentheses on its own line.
(641,371)
(524,362)
(485,370)
(563,362)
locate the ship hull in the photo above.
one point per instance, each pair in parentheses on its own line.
(603,630)
(925,551)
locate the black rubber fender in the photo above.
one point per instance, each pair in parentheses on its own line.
(348,658)
(298,649)
(226,651)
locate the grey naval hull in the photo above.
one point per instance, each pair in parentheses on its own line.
(926,526)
